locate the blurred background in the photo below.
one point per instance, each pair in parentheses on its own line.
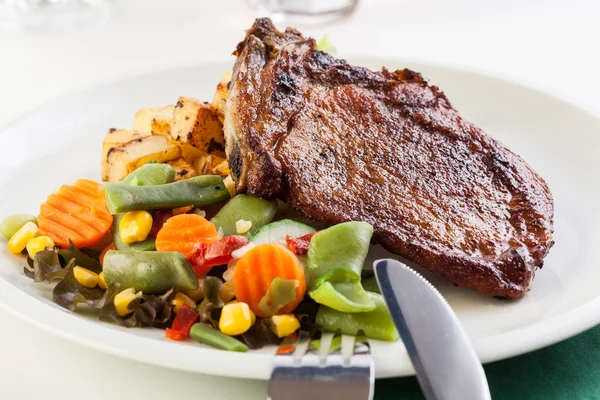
(46,52)
(545,42)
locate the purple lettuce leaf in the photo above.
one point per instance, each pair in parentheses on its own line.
(146,310)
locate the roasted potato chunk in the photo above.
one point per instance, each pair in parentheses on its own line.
(183,169)
(115,138)
(189,152)
(218,101)
(221,169)
(154,120)
(197,124)
(128,157)
(211,165)
(161,123)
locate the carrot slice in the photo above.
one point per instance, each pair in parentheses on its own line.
(111,246)
(255,271)
(76,212)
(181,232)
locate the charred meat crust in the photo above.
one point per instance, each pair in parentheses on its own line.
(340,143)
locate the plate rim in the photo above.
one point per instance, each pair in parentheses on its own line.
(573,322)
(546,90)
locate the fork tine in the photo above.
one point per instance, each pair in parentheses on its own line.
(333,356)
(302,372)
(361,344)
(336,343)
(361,360)
(310,355)
(314,340)
(315,343)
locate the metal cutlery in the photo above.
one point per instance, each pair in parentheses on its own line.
(322,371)
(446,364)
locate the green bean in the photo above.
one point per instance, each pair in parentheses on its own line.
(198,191)
(10,225)
(335,260)
(247,207)
(150,174)
(349,297)
(376,324)
(152,272)
(343,246)
(206,334)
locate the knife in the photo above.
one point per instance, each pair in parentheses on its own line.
(445,362)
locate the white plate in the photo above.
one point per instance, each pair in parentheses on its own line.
(61,142)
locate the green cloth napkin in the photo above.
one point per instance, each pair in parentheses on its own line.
(567,370)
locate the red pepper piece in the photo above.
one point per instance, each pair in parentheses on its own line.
(182,323)
(174,335)
(208,255)
(299,245)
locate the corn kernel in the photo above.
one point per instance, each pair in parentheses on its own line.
(179,300)
(18,241)
(227,293)
(135,226)
(101,281)
(198,294)
(38,244)
(236,318)
(85,277)
(284,325)
(123,299)
(242,226)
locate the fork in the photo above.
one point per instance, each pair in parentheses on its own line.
(322,372)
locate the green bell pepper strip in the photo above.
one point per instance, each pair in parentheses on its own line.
(152,272)
(335,259)
(10,225)
(281,293)
(150,174)
(247,207)
(376,324)
(206,334)
(198,191)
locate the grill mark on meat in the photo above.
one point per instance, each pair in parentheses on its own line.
(340,143)
(236,163)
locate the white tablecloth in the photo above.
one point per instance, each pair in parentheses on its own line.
(546,43)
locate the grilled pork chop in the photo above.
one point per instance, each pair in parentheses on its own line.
(341,143)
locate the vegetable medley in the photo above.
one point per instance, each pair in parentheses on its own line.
(143,252)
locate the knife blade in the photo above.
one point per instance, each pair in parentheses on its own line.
(445,362)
